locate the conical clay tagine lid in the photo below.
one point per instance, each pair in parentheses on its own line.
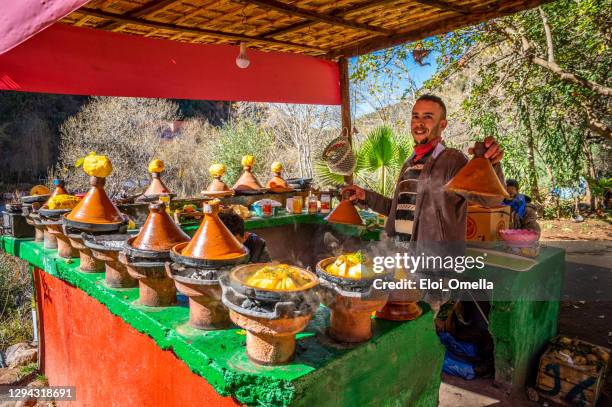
(247,181)
(478,177)
(213,240)
(59,188)
(217,187)
(157,187)
(277,183)
(345,214)
(96,207)
(159,232)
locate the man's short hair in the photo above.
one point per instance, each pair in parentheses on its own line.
(233,222)
(512,183)
(435,99)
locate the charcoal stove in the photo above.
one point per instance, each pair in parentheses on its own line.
(351,301)
(271,317)
(198,264)
(201,286)
(106,248)
(145,255)
(52,220)
(33,219)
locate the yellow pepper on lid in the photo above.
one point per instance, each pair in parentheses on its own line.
(248,161)
(156,166)
(277,167)
(216,170)
(96,165)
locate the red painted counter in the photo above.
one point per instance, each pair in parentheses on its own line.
(84,342)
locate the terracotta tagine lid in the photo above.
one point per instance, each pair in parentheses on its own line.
(247,181)
(159,232)
(217,187)
(157,187)
(345,213)
(213,240)
(59,188)
(96,207)
(277,183)
(478,176)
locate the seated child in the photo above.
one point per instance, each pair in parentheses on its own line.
(523,214)
(256,245)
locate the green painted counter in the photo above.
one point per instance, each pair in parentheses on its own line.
(399,366)
(521,328)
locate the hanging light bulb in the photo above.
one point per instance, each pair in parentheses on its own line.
(242,60)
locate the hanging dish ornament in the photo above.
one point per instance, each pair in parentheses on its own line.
(338,155)
(419,54)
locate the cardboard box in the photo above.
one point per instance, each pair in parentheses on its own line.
(483,223)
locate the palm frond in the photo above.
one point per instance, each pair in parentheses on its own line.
(324,177)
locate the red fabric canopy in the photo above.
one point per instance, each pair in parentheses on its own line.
(72,60)
(21,19)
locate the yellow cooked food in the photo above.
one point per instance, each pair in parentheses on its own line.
(278,277)
(62,201)
(248,161)
(216,170)
(156,165)
(350,265)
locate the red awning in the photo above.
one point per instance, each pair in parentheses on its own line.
(72,60)
(21,19)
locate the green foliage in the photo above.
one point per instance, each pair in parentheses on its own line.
(28,369)
(379,157)
(521,103)
(244,137)
(600,186)
(15,301)
(561,209)
(324,176)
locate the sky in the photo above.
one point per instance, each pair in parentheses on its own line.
(419,75)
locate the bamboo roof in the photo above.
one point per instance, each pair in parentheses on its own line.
(322,28)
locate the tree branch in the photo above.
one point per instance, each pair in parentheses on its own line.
(571,77)
(528,53)
(548,33)
(595,125)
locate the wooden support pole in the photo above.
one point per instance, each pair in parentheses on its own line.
(345,107)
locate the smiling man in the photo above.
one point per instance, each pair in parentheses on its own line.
(421,208)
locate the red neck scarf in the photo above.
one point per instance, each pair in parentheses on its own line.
(420,150)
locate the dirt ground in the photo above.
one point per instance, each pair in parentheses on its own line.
(565,229)
(586,309)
